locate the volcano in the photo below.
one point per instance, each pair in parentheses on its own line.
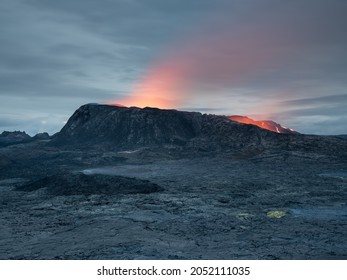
(131,127)
(150,183)
(118,128)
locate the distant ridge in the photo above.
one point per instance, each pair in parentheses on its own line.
(8,138)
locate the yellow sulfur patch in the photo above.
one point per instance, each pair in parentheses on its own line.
(276,214)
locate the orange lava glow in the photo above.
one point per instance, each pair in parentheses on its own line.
(196,68)
(116,104)
(161,87)
(269,125)
(246,120)
(178,75)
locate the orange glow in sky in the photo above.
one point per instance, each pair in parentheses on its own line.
(161,87)
(181,75)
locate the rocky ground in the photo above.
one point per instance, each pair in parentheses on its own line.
(249,205)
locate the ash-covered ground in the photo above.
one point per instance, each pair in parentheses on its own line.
(131,183)
(157,203)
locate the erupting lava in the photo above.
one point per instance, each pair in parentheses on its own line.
(265,124)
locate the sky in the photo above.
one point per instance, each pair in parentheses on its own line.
(267,59)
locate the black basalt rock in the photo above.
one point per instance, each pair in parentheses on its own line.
(8,138)
(81,184)
(117,128)
(129,128)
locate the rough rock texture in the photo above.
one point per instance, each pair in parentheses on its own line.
(79,183)
(10,138)
(41,136)
(119,128)
(230,190)
(134,127)
(211,208)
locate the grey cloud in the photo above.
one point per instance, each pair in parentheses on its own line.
(319,115)
(339,99)
(24,62)
(314,110)
(322,110)
(31,124)
(57,55)
(131,22)
(319,124)
(5,121)
(33,85)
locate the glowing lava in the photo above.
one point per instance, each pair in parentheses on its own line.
(269,125)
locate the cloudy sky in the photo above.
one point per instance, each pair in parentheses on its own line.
(274,59)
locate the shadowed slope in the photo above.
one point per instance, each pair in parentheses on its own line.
(118,128)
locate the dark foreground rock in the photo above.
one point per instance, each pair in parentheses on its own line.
(279,207)
(81,184)
(230,190)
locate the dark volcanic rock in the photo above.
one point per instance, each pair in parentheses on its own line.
(16,137)
(79,183)
(343,136)
(41,136)
(254,194)
(129,126)
(121,127)
(115,128)
(4,160)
